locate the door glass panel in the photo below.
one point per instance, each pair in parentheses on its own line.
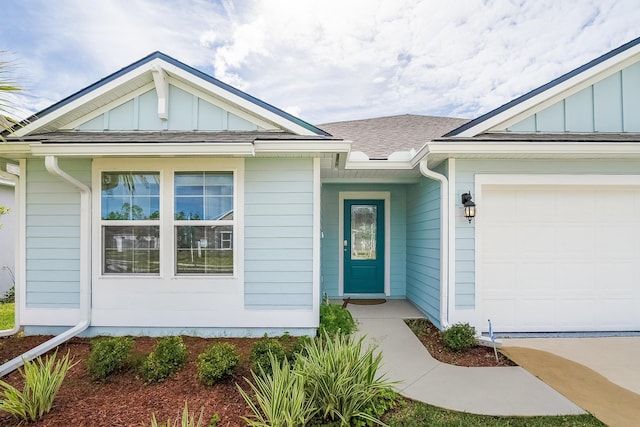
(363,232)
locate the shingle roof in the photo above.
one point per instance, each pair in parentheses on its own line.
(379,137)
(166,137)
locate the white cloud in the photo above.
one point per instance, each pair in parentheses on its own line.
(332,60)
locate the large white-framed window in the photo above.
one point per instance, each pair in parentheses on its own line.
(167,217)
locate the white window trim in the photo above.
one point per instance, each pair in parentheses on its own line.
(166,168)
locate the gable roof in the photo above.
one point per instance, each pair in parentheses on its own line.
(379,137)
(544,95)
(137,75)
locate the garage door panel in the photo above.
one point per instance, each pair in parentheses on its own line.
(574,241)
(535,278)
(533,241)
(569,260)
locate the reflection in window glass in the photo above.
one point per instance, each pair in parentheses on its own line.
(131,249)
(204,249)
(203,196)
(131,196)
(363,232)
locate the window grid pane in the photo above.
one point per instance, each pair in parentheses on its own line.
(204,249)
(203,196)
(132,196)
(131,250)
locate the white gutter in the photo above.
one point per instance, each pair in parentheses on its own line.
(12,180)
(51,163)
(444,240)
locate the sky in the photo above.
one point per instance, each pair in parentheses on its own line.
(323,61)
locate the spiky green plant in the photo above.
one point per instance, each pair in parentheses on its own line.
(42,382)
(342,378)
(280,397)
(187,420)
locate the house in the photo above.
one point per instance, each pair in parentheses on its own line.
(161,201)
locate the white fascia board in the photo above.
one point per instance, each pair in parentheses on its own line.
(54,115)
(143,150)
(17,150)
(555,93)
(378,165)
(294,146)
(533,148)
(235,99)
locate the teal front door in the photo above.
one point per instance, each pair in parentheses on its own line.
(363,246)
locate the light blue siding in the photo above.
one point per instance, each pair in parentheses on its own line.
(330,250)
(631,99)
(186,112)
(423,247)
(579,111)
(609,105)
(53,235)
(278,233)
(466,169)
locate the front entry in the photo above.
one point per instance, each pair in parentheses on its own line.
(363,246)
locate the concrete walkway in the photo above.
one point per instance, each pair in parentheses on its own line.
(490,391)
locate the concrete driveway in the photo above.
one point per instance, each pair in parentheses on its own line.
(615,358)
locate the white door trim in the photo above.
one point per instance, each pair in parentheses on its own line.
(360,195)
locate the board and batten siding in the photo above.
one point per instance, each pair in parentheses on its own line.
(278,234)
(466,169)
(610,105)
(53,235)
(423,247)
(186,112)
(330,251)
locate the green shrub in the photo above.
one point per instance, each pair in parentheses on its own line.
(42,380)
(108,356)
(168,357)
(280,397)
(217,362)
(334,319)
(342,379)
(260,360)
(459,337)
(187,419)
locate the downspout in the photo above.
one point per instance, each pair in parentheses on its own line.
(16,322)
(51,163)
(444,240)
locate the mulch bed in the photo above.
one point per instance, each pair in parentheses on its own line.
(479,355)
(125,400)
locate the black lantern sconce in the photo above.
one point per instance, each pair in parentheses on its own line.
(469,206)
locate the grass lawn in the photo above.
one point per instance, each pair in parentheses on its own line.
(6,316)
(422,414)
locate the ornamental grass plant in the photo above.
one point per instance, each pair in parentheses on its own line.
(42,381)
(280,397)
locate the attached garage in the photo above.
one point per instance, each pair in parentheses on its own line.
(558,252)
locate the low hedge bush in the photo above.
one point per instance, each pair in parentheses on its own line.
(167,358)
(260,360)
(459,337)
(108,356)
(217,362)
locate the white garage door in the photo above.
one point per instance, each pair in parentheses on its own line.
(560,258)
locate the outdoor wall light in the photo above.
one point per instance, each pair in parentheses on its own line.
(469,206)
